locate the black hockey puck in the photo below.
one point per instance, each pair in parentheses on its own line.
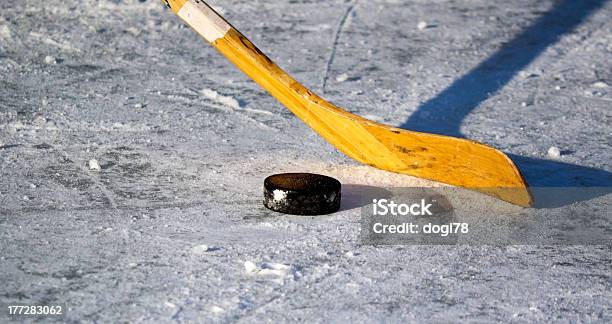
(302,194)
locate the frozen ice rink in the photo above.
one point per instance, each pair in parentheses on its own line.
(132,158)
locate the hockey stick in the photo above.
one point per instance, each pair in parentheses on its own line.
(450,160)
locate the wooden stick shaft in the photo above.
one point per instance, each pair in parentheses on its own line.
(253,62)
(450,160)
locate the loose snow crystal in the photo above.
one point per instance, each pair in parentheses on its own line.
(216,309)
(200,249)
(40,121)
(94,165)
(600,84)
(221,99)
(554,152)
(279,195)
(5,32)
(424,25)
(50,60)
(342,77)
(250,267)
(276,272)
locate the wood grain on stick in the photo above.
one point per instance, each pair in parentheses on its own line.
(455,161)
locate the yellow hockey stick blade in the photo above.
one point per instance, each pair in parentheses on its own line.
(455,161)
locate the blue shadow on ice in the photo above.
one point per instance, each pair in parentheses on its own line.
(466,93)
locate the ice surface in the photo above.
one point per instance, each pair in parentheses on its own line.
(5,32)
(186,168)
